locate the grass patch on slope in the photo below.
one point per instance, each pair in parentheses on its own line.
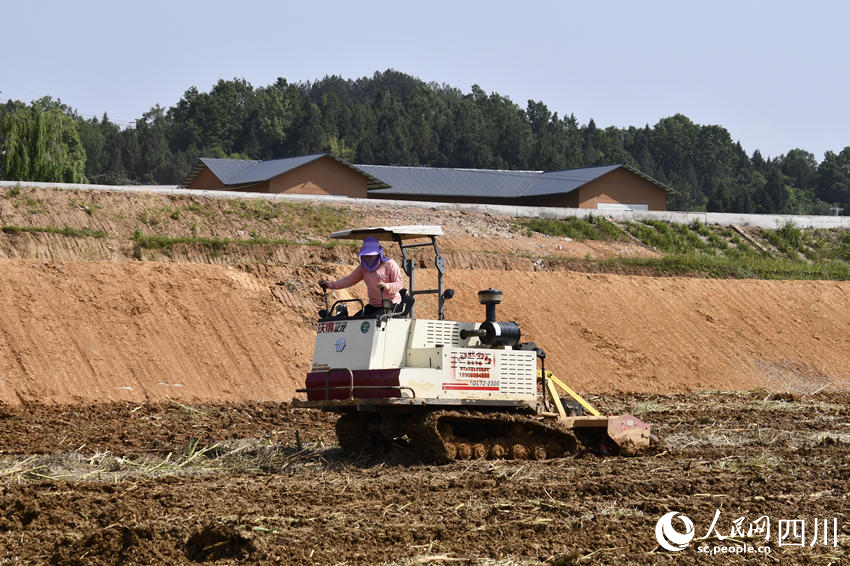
(714,251)
(735,268)
(159,242)
(589,228)
(64,231)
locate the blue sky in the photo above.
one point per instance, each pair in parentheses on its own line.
(775,74)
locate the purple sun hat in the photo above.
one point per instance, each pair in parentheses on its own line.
(371,246)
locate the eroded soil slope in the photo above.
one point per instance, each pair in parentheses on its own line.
(101,318)
(101,331)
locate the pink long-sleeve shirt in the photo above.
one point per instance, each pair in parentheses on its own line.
(387,273)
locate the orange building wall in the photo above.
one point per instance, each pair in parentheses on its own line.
(324,176)
(622,187)
(206,181)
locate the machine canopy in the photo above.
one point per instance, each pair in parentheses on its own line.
(389,233)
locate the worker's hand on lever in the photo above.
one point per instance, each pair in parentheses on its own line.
(323,283)
(382,286)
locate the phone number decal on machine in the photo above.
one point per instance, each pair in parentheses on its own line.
(472,371)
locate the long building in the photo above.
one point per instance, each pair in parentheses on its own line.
(601,187)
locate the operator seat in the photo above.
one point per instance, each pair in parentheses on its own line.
(406,302)
(402,310)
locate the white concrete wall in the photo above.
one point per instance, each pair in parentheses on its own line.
(768,221)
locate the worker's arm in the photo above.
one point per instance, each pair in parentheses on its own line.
(347,281)
(392,280)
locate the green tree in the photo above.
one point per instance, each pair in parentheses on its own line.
(801,167)
(550,138)
(307,126)
(392,143)
(592,145)
(341,149)
(157,164)
(215,119)
(834,179)
(268,129)
(42,143)
(100,141)
(463,139)
(774,195)
(720,199)
(426,114)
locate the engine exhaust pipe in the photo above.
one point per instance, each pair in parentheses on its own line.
(491,332)
(490,298)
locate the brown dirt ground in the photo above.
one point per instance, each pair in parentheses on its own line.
(115,484)
(144,414)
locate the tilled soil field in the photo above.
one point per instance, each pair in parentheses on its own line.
(172,483)
(143,416)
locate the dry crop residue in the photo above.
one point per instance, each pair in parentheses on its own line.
(264,484)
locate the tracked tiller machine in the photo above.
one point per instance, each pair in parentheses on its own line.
(450,390)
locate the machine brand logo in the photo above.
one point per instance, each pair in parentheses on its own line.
(668,537)
(339,345)
(364,328)
(325,327)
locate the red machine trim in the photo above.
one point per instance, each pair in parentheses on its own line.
(368,384)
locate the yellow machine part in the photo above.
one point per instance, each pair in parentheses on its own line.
(551,381)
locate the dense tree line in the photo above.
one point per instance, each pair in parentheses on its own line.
(393,118)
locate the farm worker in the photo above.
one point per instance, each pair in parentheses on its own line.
(378,272)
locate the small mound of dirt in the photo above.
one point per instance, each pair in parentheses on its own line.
(18,513)
(216,542)
(115,544)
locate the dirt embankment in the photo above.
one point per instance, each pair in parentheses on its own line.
(100,318)
(98,331)
(88,331)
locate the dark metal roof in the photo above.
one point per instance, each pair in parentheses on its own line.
(261,171)
(246,172)
(389,180)
(223,169)
(566,181)
(226,169)
(451,182)
(479,183)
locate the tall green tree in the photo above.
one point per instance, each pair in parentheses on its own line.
(801,167)
(269,126)
(774,195)
(157,164)
(42,143)
(834,178)
(720,199)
